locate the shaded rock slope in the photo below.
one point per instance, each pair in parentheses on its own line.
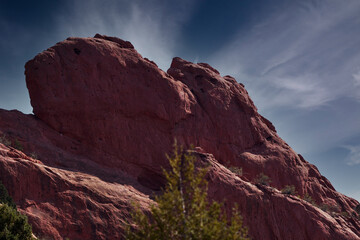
(104,118)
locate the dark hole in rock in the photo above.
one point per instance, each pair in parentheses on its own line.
(202,90)
(213,80)
(77,51)
(198,77)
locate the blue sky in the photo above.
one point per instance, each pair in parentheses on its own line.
(299,60)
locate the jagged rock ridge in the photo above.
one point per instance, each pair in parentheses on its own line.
(104,119)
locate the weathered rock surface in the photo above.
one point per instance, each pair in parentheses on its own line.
(62,203)
(104,119)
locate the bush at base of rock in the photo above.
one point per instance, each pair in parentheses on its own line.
(4,140)
(238,171)
(288,190)
(262,179)
(357,209)
(5,198)
(13,225)
(184,211)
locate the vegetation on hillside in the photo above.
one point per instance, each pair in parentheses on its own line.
(183,211)
(13,225)
(5,198)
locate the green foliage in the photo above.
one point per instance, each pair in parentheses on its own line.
(5,198)
(345,214)
(4,140)
(236,170)
(33,155)
(324,207)
(183,211)
(13,225)
(357,209)
(262,179)
(331,209)
(289,190)
(17,145)
(309,199)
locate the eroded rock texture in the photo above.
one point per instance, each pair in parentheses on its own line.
(104,117)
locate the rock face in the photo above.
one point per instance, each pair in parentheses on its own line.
(104,119)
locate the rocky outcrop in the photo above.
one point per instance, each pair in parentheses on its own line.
(104,118)
(68,204)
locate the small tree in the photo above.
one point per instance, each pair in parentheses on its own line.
(13,225)
(4,140)
(17,145)
(238,171)
(309,199)
(5,198)
(289,190)
(183,211)
(357,209)
(262,179)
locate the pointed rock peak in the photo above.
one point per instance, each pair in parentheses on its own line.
(194,74)
(207,66)
(179,63)
(120,42)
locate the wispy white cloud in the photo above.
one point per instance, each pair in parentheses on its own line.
(356,77)
(303,57)
(300,64)
(354,154)
(152,26)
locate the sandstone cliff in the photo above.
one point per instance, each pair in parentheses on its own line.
(104,117)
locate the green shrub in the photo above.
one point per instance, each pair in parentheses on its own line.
(13,225)
(331,209)
(183,210)
(262,179)
(309,199)
(345,214)
(357,209)
(17,145)
(289,190)
(33,155)
(4,140)
(324,207)
(236,170)
(5,198)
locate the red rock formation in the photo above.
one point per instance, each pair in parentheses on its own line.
(105,117)
(62,203)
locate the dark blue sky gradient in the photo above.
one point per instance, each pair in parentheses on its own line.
(214,23)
